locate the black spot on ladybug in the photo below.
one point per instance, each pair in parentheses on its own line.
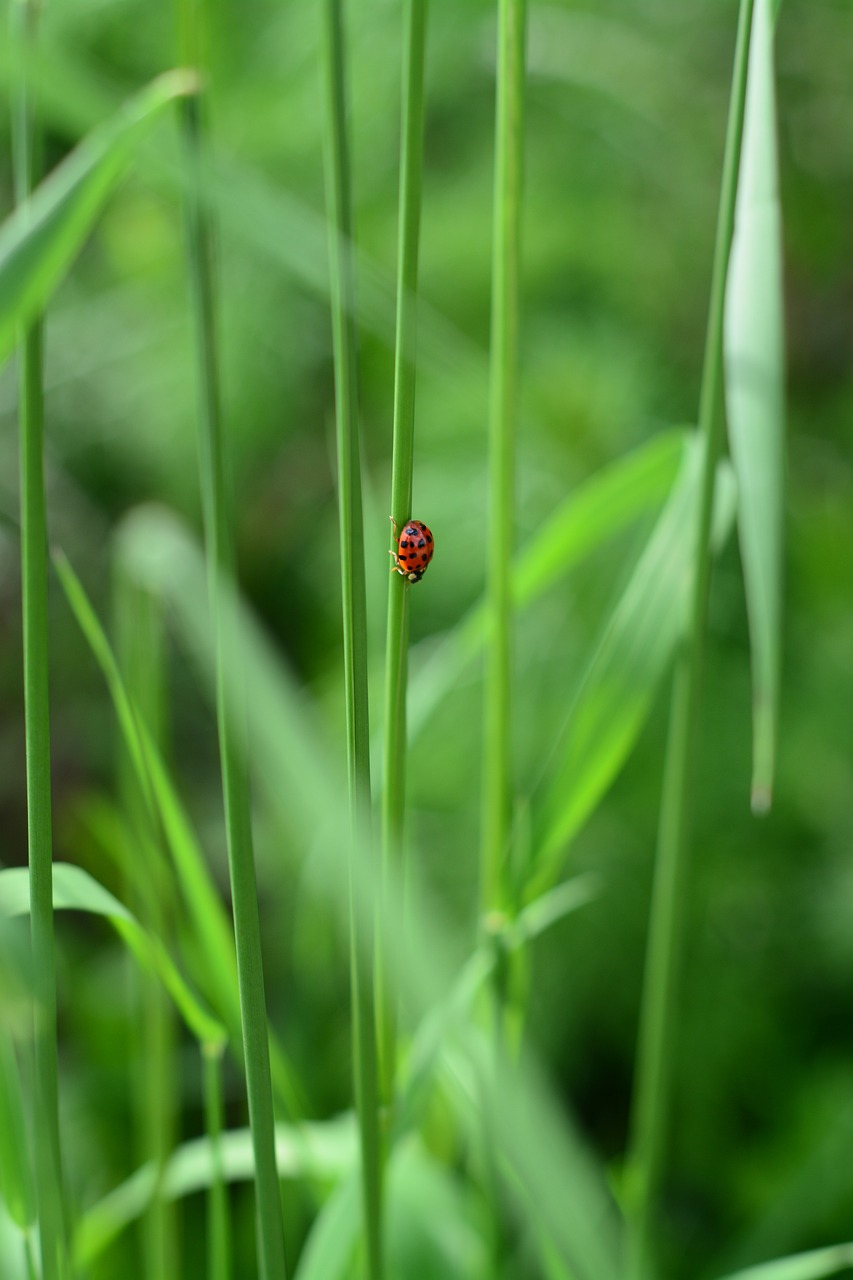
(421,542)
(429,537)
(424,557)
(404,542)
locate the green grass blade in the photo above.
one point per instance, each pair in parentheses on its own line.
(638,642)
(16,1177)
(754,362)
(813,1265)
(211,931)
(49,1179)
(402,465)
(595,512)
(503,411)
(324,1152)
(354,608)
(40,240)
(331,1244)
(75,890)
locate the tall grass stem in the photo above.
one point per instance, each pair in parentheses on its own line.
(354,606)
(219,541)
(503,408)
(652,1088)
(48,1157)
(402,470)
(218,1222)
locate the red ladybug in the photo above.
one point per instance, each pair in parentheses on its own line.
(414,550)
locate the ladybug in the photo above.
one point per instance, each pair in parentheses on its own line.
(415,546)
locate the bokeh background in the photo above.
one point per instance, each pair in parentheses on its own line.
(625,124)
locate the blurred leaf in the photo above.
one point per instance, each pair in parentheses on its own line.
(75,890)
(801,1266)
(638,642)
(302,780)
(427,1041)
(16,1179)
(333,1237)
(431,1229)
(754,364)
(324,1151)
(42,237)
(596,511)
(212,928)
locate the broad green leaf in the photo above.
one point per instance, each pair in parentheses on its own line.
(597,510)
(813,1265)
(616,692)
(16,1179)
(324,1151)
(754,375)
(41,239)
(75,890)
(204,907)
(333,1238)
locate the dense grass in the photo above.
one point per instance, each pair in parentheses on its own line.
(284,911)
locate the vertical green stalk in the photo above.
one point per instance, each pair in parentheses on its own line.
(139,644)
(354,603)
(230,713)
(218,1224)
(651,1102)
(402,465)
(497,784)
(49,1180)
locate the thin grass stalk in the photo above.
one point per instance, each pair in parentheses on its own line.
(497,768)
(218,1220)
(402,470)
(48,1158)
(139,644)
(220,556)
(354,607)
(652,1089)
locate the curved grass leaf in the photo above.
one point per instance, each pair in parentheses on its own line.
(600,509)
(813,1265)
(754,374)
(324,1152)
(616,692)
(42,237)
(204,906)
(75,890)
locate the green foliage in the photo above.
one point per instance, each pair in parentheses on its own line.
(508,1157)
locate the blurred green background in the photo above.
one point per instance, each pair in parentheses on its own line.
(624,135)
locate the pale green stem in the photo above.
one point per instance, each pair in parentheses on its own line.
(402,466)
(656,1046)
(354,602)
(231,712)
(503,411)
(48,1159)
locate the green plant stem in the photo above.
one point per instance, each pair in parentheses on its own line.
(139,642)
(48,1161)
(231,713)
(354,603)
(218,1224)
(402,467)
(651,1103)
(497,785)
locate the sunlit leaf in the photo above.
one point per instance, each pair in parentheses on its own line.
(594,513)
(41,239)
(204,907)
(317,1151)
(616,692)
(813,1265)
(754,373)
(75,890)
